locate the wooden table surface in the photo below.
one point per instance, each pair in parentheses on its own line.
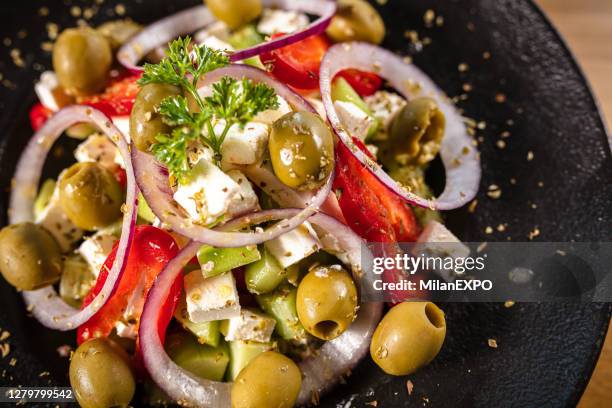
(587,28)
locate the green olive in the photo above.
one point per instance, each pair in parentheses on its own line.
(235,13)
(408,337)
(90,196)
(118,32)
(100,375)
(356,20)
(30,257)
(301,150)
(145,122)
(327,301)
(270,380)
(82,59)
(416,132)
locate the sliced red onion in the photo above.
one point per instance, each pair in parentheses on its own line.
(45,303)
(152,178)
(321,372)
(459,155)
(323,8)
(162,32)
(195,18)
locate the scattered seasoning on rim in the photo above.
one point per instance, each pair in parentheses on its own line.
(509,303)
(492,343)
(409,387)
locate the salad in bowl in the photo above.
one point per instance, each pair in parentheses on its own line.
(234,160)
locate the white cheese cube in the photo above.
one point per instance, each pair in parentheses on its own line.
(53,218)
(245,201)
(281,21)
(95,250)
(207,193)
(270,116)
(127,326)
(250,325)
(356,122)
(437,241)
(99,149)
(218,29)
(123,124)
(293,246)
(384,106)
(126,330)
(243,146)
(211,299)
(216,43)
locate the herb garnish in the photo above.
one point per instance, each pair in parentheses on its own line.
(232,101)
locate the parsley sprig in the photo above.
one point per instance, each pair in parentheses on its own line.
(232,101)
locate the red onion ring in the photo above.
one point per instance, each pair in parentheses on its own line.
(188,21)
(320,372)
(459,155)
(44,303)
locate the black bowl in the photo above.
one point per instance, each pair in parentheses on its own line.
(525,85)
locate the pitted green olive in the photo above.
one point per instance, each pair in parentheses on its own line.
(82,59)
(270,380)
(145,122)
(235,13)
(118,32)
(416,132)
(408,337)
(301,150)
(356,20)
(30,258)
(100,375)
(327,301)
(90,196)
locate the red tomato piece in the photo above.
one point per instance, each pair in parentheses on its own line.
(297,64)
(363,82)
(152,248)
(118,98)
(39,115)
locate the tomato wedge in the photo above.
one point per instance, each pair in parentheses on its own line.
(297,64)
(363,82)
(152,248)
(372,211)
(39,115)
(117,99)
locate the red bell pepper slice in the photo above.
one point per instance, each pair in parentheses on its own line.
(152,248)
(363,82)
(39,115)
(373,211)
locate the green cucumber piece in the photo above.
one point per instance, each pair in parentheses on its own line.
(76,281)
(44,196)
(216,261)
(247,37)
(200,359)
(206,333)
(280,304)
(241,354)
(343,91)
(144,211)
(264,275)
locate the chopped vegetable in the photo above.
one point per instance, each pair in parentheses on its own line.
(215,261)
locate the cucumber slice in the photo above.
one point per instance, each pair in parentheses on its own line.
(280,304)
(216,261)
(241,354)
(202,360)
(44,196)
(206,333)
(264,275)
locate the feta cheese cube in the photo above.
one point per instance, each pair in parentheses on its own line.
(95,250)
(293,246)
(209,299)
(384,106)
(245,200)
(281,21)
(123,124)
(356,122)
(207,193)
(53,218)
(216,43)
(437,240)
(218,29)
(243,146)
(100,149)
(270,116)
(250,325)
